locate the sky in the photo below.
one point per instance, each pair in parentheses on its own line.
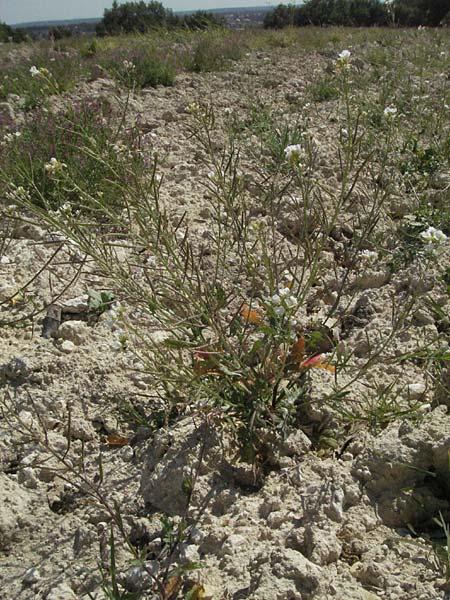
(21,11)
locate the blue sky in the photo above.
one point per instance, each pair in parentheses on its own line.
(20,11)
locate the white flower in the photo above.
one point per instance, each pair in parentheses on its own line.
(294,153)
(4,260)
(10,137)
(291,302)
(152,261)
(433,236)
(344,55)
(390,111)
(192,108)
(34,71)
(283,302)
(227,111)
(54,166)
(129,66)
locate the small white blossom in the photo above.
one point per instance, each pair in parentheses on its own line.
(433,236)
(4,260)
(54,166)
(280,311)
(192,108)
(152,261)
(291,302)
(275,300)
(344,55)
(294,153)
(34,71)
(390,111)
(129,66)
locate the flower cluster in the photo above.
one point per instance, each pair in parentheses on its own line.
(283,302)
(18,193)
(433,236)
(8,138)
(54,166)
(128,65)
(193,108)
(343,62)
(35,72)
(294,154)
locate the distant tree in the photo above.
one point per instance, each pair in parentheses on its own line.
(135,17)
(8,34)
(281,16)
(359,13)
(420,12)
(60,32)
(202,20)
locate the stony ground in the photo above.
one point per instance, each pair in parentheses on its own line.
(351,524)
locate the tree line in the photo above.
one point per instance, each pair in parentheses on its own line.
(361,13)
(141,17)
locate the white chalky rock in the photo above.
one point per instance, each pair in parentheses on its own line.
(233,544)
(415,390)
(63,591)
(73,331)
(67,347)
(76,305)
(27,477)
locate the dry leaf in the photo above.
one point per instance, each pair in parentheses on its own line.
(172,587)
(251,315)
(297,353)
(202,364)
(117,440)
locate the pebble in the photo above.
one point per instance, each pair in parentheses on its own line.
(67,347)
(31,576)
(415,390)
(76,305)
(27,477)
(233,543)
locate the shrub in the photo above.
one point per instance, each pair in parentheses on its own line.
(140,68)
(60,32)
(135,17)
(360,13)
(212,51)
(281,17)
(8,34)
(85,138)
(202,20)
(420,12)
